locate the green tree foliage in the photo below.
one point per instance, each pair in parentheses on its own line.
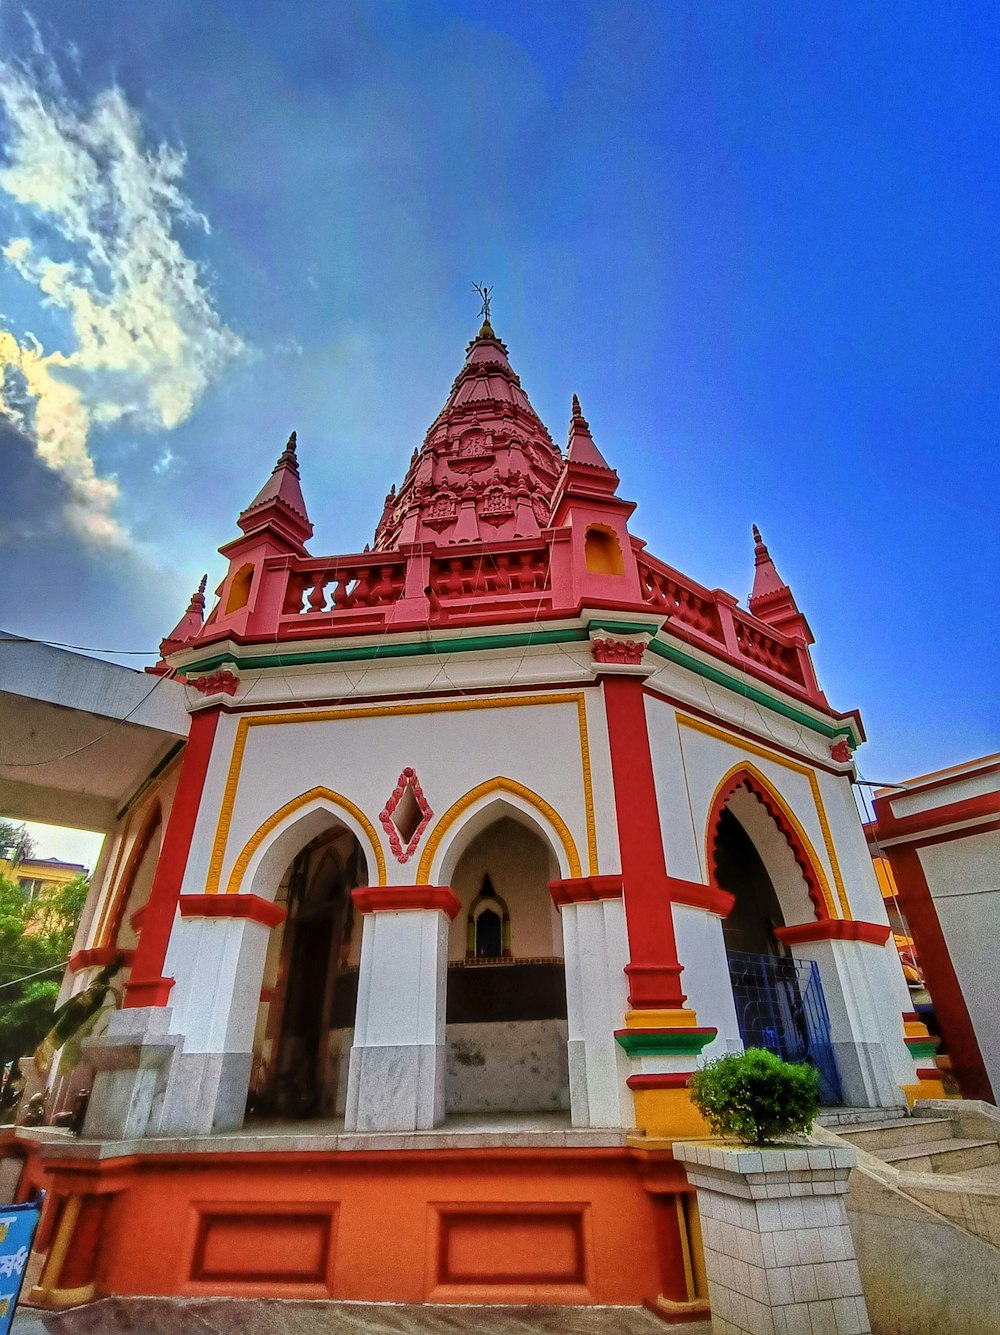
(35,935)
(756,1097)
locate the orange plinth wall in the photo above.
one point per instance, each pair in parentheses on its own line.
(562,1225)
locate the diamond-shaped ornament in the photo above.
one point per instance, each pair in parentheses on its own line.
(406,815)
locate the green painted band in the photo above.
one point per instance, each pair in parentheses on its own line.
(664,1043)
(519,640)
(752,693)
(922,1047)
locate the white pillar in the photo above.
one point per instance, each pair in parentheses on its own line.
(854,978)
(396,1080)
(218,964)
(701,948)
(595,948)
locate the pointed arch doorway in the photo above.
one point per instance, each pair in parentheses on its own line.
(308,1000)
(506,999)
(779,999)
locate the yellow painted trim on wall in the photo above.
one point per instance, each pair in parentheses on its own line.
(214,878)
(696,725)
(498,785)
(314,794)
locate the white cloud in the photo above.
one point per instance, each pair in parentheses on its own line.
(164,462)
(146,337)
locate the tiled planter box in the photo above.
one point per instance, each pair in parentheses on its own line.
(778,1251)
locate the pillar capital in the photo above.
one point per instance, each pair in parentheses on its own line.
(406,898)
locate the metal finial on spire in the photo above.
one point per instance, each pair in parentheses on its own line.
(756,534)
(204,584)
(292,442)
(486,293)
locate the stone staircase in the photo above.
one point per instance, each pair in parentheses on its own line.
(927,1145)
(923,1205)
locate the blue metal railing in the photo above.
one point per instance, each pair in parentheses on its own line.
(780,1006)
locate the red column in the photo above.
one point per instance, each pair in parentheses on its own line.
(654,970)
(950,1010)
(147,986)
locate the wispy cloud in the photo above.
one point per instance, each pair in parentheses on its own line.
(101,209)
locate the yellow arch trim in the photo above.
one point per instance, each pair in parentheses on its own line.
(282,814)
(213,880)
(498,785)
(747,767)
(744,745)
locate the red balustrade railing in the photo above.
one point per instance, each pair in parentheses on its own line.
(714,616)
(351,584)
(489,574)
(765,648)
(682,600)
(363,590)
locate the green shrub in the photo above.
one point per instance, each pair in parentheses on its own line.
(755,1096)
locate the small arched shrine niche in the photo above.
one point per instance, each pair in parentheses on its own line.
(239,589)
(488,925)
(602,551)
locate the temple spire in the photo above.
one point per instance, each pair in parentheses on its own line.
(772,600)
(190,624)
(580,448)
(487,466)
(279,504)
(767,583)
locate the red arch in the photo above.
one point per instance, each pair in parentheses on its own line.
(744,779)
(154,818)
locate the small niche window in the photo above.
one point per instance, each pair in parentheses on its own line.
(489,935)
(239,589)
(602,552)
(488,926)
(407,815)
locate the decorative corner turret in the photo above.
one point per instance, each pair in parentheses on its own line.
(278,507)
(275,524)
(592,549)
(187,629)
(771,600)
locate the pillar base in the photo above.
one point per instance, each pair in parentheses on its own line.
(667,1114)
(396,1088)
(131,1064)
(207,1091)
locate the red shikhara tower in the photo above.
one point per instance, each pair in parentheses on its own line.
(502,784)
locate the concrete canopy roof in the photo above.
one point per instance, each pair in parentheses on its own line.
(79,736)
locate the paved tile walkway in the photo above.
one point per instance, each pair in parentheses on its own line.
(151,1316)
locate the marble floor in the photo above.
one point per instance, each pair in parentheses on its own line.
(251,1316)
(459,1131)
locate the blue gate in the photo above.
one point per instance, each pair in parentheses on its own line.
(780,1006)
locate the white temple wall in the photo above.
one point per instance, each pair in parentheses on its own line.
(452,750)
(731,706)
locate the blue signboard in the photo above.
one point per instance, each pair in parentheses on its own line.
(17,1232)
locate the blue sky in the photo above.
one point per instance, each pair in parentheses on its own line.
(760,241)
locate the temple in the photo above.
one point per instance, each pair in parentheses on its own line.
(479,841)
